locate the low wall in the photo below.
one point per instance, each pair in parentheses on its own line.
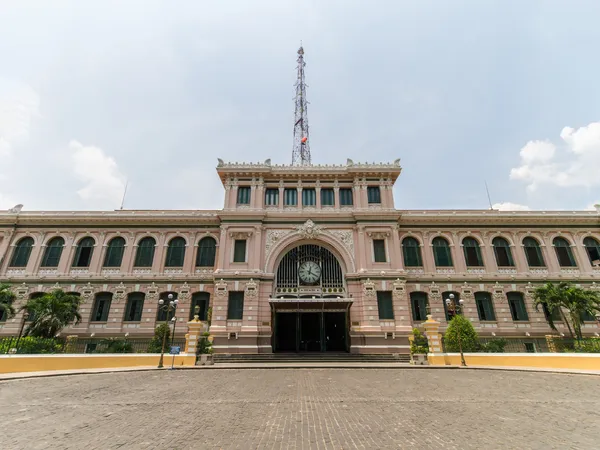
(40,363)
(581,361)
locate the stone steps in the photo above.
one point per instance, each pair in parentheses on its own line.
(309,358)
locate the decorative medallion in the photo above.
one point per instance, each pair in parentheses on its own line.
(309,230)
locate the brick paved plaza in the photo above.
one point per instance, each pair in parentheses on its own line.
(315,408)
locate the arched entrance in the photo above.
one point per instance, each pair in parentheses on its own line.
(310,305)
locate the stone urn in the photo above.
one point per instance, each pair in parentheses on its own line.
(418,359)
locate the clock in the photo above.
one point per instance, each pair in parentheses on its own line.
(309,272)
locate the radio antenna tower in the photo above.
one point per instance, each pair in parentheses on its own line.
(301,151)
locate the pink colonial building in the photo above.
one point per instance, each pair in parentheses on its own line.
(300,258)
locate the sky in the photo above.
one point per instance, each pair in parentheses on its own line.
(97,94)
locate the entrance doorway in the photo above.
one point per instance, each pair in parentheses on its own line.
(323,331)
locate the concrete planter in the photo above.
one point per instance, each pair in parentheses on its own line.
(418,359)
(205,360)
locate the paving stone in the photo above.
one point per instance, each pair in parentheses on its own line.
(302,409)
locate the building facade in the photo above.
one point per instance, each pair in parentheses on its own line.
(300,258)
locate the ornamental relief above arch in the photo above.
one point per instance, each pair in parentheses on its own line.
(341,240)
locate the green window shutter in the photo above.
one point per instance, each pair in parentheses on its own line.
(419,305)
(517,306)
(239,250)
(385,305)
(235,305)
(564,253)
(207,249)
(272,197)
(243,195)
(21,254)
(533,252)
(346,197)
(441,253)
(373,194)
(101,307)
(309,197)
(53,252)
(145,252)
(175,253)
(290,197)
(411,252)
(327,197)
(379,250)
(472,253)
(592,247)
(83,254)
(114,253)
(485,308)
(135,305)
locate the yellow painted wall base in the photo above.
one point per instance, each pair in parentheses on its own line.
(40,363)
(577,361)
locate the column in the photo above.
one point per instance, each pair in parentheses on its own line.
(336,196)
(549,255)
(159,254)
(129,255)
(66,258)
(299,190)
(318,194)
(395,251)
(489,258)
(34,258)
(281,192)
(190,252)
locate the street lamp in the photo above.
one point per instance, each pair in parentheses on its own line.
(453,309)
(167,307)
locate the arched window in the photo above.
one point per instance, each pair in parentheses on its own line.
(411,252)
(533,252)
(485,306)
(83,254)
(114,252)
(502,251)
(592,247)
(53,252)
(163,310)
(207,248)
(201,300)
(20,256)
(472,252)
(563,252)
(101,307)
(135,306)
(441,252)
(420,304)
(175,252)
(145,252)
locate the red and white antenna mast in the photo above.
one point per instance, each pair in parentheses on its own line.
(301,151)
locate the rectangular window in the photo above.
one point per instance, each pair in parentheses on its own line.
(201,300)
(327,197)
(586,316)
(135,304)
(290,197)
(473,257)
(565,257)
(346,197)
(373,194)
(309,197)
(235,305)
(272,197)
(485,307)
(517,307)
(379,250)
(554,315)
(101,308)
(503,256)
(239,250)
(243,195)
(419,302)
(385,305)
(412,256)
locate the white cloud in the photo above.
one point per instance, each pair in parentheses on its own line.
(508,206)
(576,166)
(104,183)
(19,105)
(593,207)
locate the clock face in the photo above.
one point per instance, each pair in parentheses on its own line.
(309,272)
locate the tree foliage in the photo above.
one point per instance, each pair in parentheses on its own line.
(204,345)
(419,344)
(161,334)
(51,313)
(7,298)
(468,336)
(564,296)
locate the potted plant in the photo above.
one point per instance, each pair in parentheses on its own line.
(419,347)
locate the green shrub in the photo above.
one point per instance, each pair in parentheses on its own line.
(495,345)
(468,335)
(419,344)
(204,345)
(587,345)
(115,345)
(32,345)
(156,343)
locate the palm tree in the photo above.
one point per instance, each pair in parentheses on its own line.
(576,301)
(51,313)
(7,298)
